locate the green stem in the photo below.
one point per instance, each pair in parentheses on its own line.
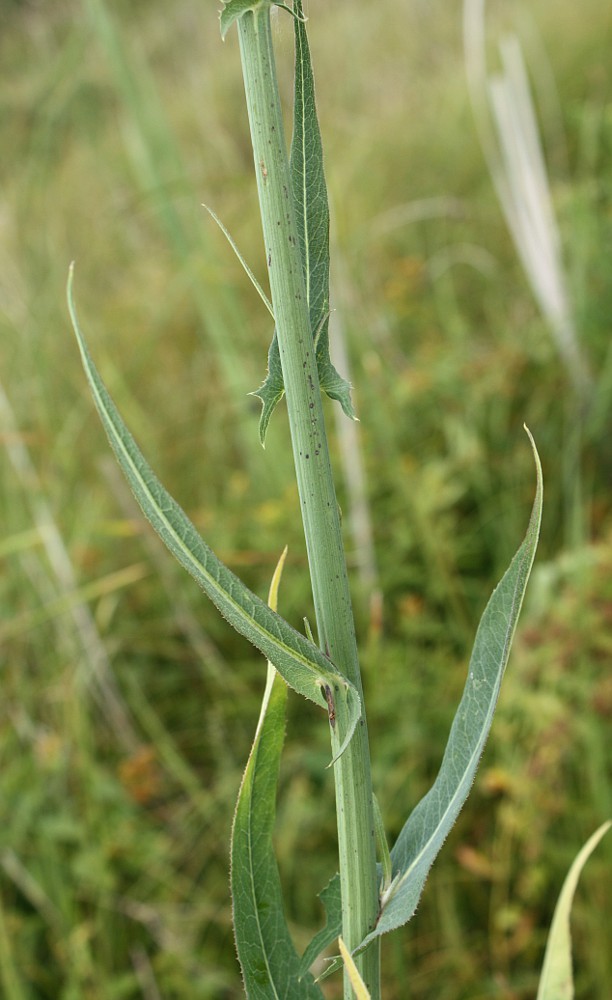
(320,513)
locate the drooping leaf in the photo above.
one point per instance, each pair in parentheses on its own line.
(301,663)
(430,822)
(331,897)
(556,980)
(312,217)
(268,959)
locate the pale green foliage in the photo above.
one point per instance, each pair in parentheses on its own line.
(269,961)
(430,823)
(557,981)
(309,193)
(295,216)
(302,665)
(235,9)
(331,898)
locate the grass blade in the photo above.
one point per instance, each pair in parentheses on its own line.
(270,964)
(302,664)
(557,981)
(429,824)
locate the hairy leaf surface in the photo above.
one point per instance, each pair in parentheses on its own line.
(301,663)
(429,824)
(270,964)
(312,216)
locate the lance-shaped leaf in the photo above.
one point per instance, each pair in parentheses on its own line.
(300,662)
(557,980)
(270,964)
(312,217)
(430,822)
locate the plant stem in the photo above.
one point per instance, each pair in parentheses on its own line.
(319,506)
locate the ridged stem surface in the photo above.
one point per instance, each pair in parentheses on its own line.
(320,512)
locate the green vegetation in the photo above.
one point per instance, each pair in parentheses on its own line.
(129,708)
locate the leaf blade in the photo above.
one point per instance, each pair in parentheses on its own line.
(428,825)
(312,212)
(557,980)
(268,959)
(300,662)
(331,898)
(309,192)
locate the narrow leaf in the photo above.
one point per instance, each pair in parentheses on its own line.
(270,964)
(230,239)
(331,897)
(359,987)
(304,667)
(312,216)
(312,211)
(557,981)
(429,824)
(382,846)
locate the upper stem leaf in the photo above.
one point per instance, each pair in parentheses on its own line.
(305,668)
(431,820)
(309,192)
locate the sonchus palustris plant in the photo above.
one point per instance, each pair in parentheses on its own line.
(376,889)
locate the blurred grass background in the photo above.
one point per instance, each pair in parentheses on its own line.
(127,707)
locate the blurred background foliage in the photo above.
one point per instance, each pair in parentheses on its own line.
(127,706)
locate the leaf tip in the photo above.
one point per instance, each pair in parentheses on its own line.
(276,578)
(538,464)
(70,280)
